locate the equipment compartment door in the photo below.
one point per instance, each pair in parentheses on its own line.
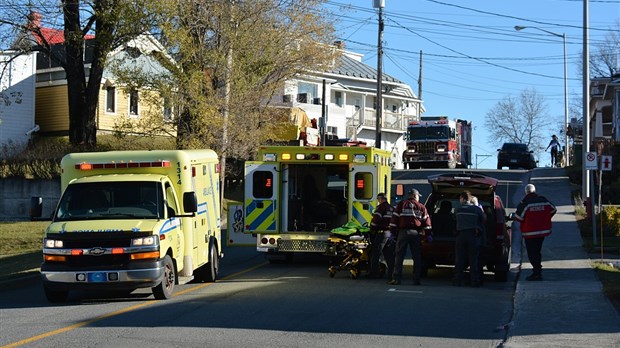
(261,193)
(362,192)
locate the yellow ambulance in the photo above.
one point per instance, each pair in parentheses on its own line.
(295,195)
(133,219)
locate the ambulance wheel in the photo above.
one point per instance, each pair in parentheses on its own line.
(164,290)
(208,272)
(55,296)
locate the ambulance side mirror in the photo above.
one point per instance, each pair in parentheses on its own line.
(190,202)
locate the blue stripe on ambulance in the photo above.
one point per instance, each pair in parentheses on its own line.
(170,225)
(361,215)
(261,219)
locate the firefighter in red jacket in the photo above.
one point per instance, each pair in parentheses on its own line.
(380,238)
(534,213)
(409,220)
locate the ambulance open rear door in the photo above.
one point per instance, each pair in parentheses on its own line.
(363,189)
(261,197)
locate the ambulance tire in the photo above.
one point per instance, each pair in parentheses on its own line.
(208,272)
(55,296)
(164,290)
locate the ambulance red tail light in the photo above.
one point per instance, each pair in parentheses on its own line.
(359,183)
(217,168)
(268,182)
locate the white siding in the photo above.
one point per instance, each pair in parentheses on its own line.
(17,97)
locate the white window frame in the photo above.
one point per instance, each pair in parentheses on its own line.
(108,90)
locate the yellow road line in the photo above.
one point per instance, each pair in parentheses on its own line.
(121,311)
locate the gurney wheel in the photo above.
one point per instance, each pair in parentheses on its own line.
(354,274)
(332,272)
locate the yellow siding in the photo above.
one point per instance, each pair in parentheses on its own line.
(52,109)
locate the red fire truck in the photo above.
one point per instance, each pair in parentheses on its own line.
(436,141)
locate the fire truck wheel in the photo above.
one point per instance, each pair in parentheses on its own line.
(452,164)
(55,296)
(164,290)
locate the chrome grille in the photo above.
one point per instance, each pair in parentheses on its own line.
(302,245)
(426,148)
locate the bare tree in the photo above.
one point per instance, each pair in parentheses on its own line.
(109,24)
(604,61)
(519,120)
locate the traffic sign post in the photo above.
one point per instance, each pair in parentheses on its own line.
(591,161)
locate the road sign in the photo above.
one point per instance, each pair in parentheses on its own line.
(606,163)
(591,161)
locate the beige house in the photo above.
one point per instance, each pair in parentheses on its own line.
(119,108)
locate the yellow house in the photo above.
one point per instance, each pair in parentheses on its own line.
(119,108)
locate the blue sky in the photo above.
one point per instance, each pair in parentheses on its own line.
(472,55)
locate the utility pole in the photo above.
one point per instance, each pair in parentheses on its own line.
(379,105)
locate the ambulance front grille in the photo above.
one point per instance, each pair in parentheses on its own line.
(317,246)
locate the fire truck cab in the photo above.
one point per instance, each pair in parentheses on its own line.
(436,141)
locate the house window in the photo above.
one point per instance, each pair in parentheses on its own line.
(338,98)
(306,92)
(168,116)
(332,130)
(133,103)
(110,99)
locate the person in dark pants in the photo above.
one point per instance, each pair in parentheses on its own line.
(409,220)
(554,144)
(470,220)
(534,213)
(379,226)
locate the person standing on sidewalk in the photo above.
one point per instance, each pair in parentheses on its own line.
(470,220)
(534,214)
(408,220)
(379,237)
(554,144)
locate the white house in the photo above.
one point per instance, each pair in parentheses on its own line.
(351,98)
(17,97)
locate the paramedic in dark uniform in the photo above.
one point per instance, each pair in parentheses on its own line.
(470,220)
(379,231)
(409,220)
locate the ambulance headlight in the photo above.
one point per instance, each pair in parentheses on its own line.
(269,157)
(145,241)
(52,243)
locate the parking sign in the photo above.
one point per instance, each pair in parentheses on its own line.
(591,161)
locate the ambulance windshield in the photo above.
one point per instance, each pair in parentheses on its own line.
(111,200)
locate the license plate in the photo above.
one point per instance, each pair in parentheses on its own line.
(97,277)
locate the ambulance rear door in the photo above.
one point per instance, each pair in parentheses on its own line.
(261,197)
(362,192)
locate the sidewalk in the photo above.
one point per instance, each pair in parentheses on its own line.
(567,308)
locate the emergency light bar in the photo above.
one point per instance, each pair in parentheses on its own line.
(115,165)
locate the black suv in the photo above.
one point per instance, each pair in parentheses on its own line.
(515,155)
(495,249)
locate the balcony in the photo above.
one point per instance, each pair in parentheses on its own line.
(391,121)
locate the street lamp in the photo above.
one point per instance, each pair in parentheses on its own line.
(563,36)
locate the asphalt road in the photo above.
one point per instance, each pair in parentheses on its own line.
(274,305)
